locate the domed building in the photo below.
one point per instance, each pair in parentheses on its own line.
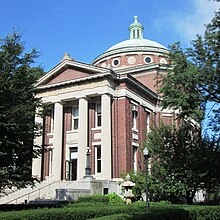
(135,52)
(100,114)
(132,52)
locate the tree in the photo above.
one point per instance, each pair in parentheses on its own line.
(182,162)
(195,79)
(17,112)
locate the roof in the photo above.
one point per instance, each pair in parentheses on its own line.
(136,43)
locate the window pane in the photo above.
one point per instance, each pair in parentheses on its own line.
(98,108)
(134,118)
(98,159)
(75,112)
(99,166)
(98,152)
(99,119)
(75,124)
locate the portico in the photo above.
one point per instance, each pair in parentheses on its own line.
(69,128)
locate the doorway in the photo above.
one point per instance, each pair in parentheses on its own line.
(73,163)
(73,169)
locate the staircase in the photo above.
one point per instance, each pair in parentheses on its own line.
(50,190)
(42,190)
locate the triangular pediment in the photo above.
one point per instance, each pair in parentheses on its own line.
(68,70)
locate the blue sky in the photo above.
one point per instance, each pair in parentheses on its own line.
(87,28)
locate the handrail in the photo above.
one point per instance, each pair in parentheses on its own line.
(27,194)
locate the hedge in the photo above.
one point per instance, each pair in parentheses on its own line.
(165,213)
(116,212)
(68,213)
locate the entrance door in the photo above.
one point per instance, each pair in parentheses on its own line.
(73,170)
(73,163)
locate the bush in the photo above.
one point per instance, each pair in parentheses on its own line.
(203,212)
(114,198)
(94,199)
(111,198)
(68,213)
(80,211)
(159,213)
(162,202)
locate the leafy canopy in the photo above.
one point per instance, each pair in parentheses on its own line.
(182,162)
(17,112)
(195,79)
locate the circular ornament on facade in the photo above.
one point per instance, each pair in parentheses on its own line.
(131,60)
(103,65)
(148,59)
(115,62)
(163,61)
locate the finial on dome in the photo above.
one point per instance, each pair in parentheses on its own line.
(135,19)
(136,29)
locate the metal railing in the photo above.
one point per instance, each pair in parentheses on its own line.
(33,191)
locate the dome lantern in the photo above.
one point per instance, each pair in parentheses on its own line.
(136,29)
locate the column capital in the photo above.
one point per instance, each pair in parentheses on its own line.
(84,97)
(59,102)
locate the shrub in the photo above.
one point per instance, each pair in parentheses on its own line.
(94,199)
(113,198)
(204,212)
(80,211)
(162,202)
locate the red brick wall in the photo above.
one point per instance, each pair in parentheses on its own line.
(47,136)
(139,59)
(149,80)
(142,135)
(122,137)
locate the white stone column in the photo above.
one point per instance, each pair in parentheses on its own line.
(57,140)
(36,162)
(82,137)
(106,139)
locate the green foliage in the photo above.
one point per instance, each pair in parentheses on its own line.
(17,112)
(111,198)
(161,202)
(84,212)
(182,163)
(114,198)
(105,211)
(139,178)
(94,198)
(195,78)
(179,87)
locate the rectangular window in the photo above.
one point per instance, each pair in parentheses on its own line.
(98,115)
(138,34)
(75,121)
(98,159)
(148,121)
(73,153)
(134,117)
(135,158)
(51,116)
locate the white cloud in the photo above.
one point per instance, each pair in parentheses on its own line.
(188,23)
(193,24)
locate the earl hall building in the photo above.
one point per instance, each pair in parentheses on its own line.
(100,113)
